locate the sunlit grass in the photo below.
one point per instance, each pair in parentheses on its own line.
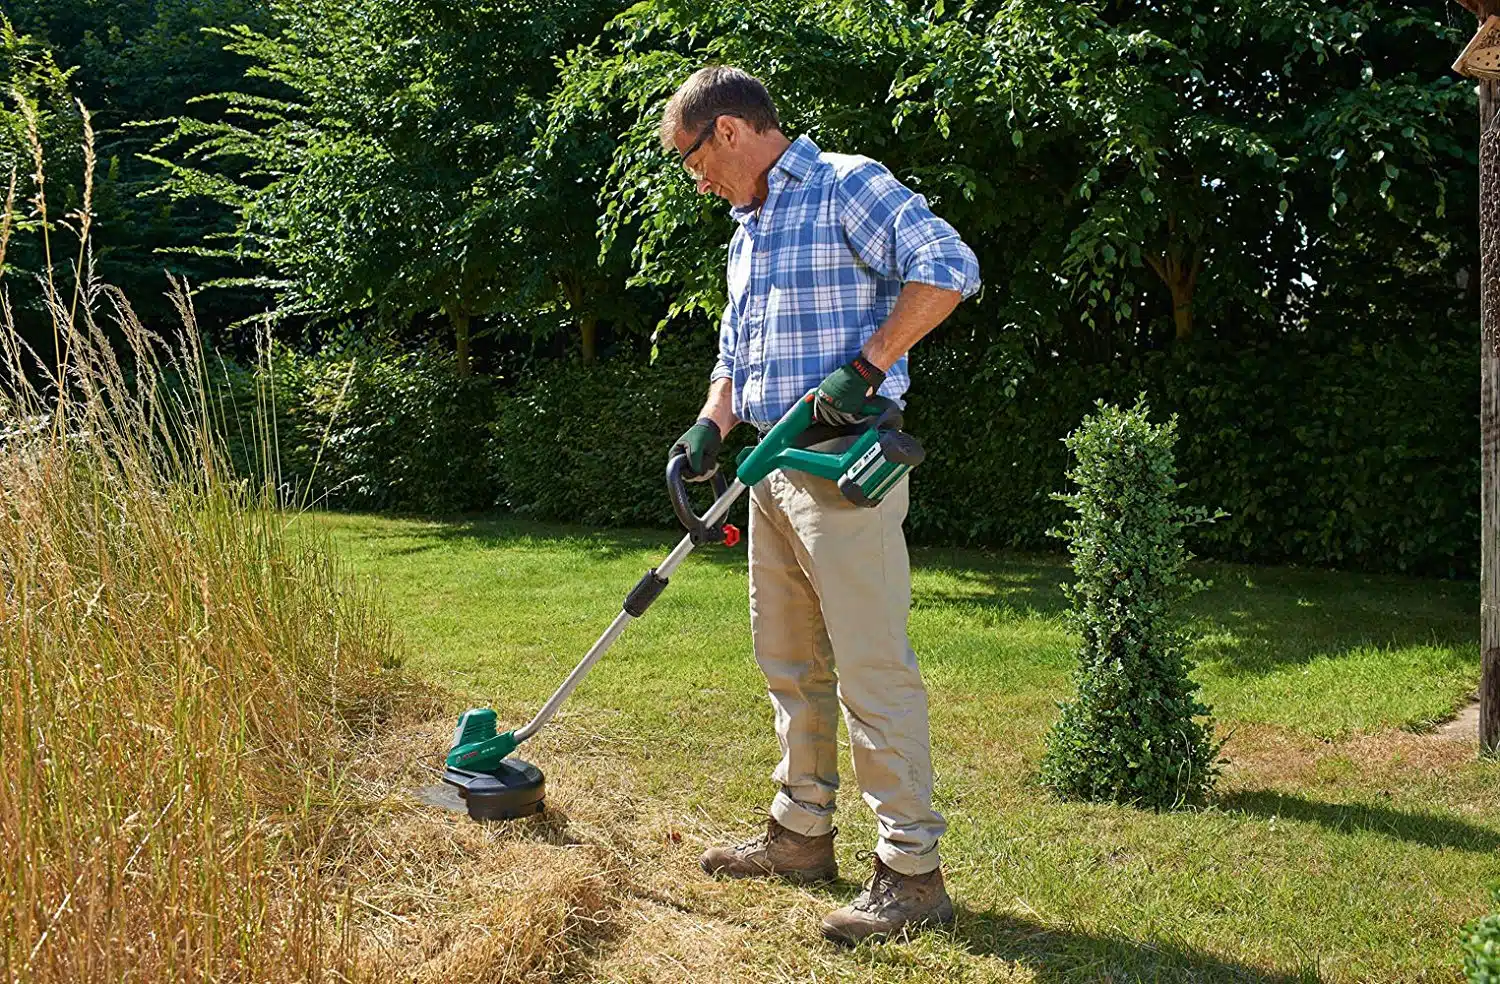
(1344,844)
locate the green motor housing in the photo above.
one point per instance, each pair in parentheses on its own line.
(476,747)
(879,457)
(475,724)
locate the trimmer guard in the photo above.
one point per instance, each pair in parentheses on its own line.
(514,789)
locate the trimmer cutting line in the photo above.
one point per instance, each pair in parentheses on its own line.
(497,787)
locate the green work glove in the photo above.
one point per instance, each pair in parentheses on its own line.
(701,445)
(843,395)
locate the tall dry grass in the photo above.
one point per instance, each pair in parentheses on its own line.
(178,673)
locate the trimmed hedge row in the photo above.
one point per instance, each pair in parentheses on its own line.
(363,430)
(1354,456)
(1338,454)
(1357,456)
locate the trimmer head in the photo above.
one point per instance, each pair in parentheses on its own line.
(494,787)
(513,789)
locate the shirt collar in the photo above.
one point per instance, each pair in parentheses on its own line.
(796,161)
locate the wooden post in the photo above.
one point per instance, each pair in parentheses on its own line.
(1489,401)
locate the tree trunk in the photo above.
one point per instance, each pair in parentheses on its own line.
(588,321)
(1181,278)
(1489,416)
(1489,577)
(460,320)
(589,325)
(1182,311)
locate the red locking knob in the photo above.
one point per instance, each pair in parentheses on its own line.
(731,535)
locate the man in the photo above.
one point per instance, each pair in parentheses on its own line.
(835,271)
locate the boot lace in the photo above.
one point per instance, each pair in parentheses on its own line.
(763,840)
(760,841)
(880,890)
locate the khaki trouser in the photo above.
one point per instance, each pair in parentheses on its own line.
(830,586)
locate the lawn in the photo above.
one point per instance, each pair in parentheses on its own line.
(1348,841)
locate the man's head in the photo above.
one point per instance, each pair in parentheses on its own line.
(723,126)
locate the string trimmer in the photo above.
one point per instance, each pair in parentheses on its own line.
(498,787)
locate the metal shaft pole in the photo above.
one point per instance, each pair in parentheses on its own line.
(579,672)
(617,627)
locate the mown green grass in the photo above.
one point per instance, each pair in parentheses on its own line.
(1345,843)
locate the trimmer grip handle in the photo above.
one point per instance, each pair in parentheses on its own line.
(887,413)
(682,505)
(757,462)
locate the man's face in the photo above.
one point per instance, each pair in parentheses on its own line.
(713,156)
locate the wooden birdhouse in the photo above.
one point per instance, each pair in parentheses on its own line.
(1481,56)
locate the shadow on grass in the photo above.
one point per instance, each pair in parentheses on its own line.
(1056,955)
(1251,621)
(1258,620)
(1419,828)
(1006,586)
(518,533)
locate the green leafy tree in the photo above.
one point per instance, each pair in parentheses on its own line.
(131,61)
(393,169)
(1127,171)
(826,65)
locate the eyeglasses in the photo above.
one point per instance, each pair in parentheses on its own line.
(707,132)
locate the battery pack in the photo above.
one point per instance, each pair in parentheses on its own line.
(878,470)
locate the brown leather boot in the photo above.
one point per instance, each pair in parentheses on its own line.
(778,851)
(890,903)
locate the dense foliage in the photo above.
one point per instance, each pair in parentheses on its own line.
(361,427)
(1128,172)
(1342,455)
(1328,451)
(130,62)
(392,171)
(1259,214)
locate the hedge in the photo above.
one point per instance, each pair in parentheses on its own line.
(1355,456)
(1326,453)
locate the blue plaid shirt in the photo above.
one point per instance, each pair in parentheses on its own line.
(817,269)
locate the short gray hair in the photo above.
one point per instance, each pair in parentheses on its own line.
(719,90)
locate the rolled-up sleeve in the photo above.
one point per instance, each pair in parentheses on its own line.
(892,230)
(724,367)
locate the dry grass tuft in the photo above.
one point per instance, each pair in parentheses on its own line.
(603,887)
(179,675)
(1264,755)
(520,918)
